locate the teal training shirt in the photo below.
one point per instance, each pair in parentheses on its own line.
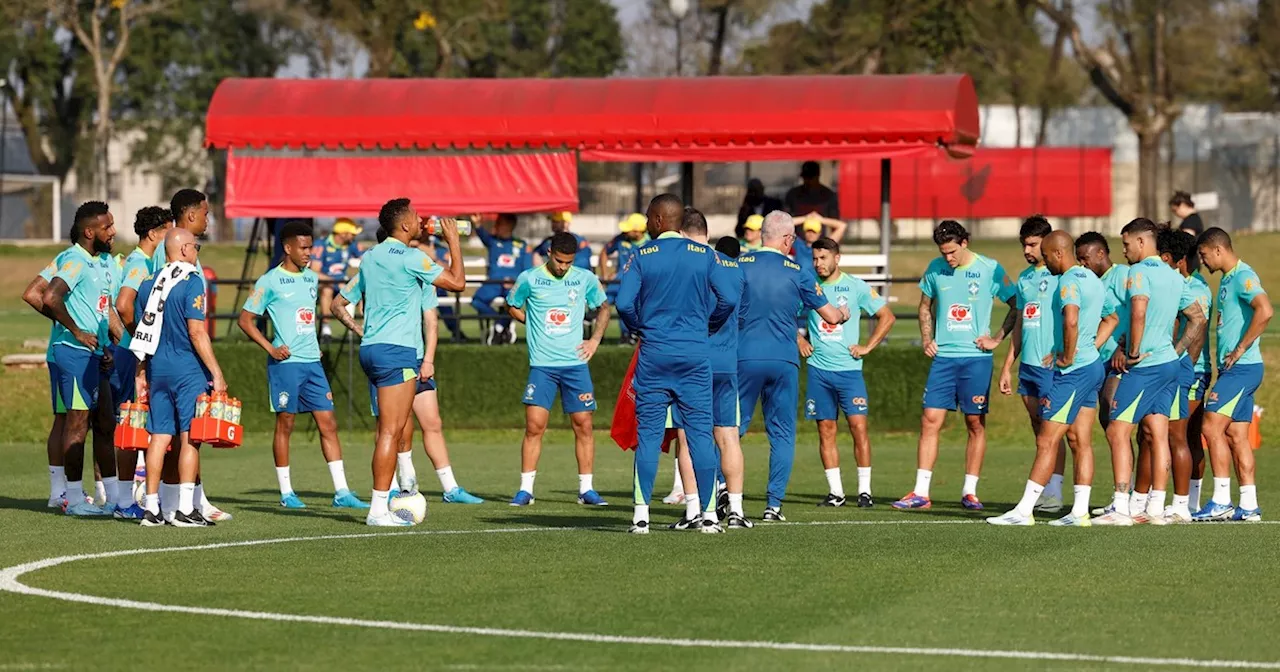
(137,268)
(1195,291)
(1036,286)
(962,300)
(1079,287)
(90,279)
(831,341)
(1239,287)
(1162,286)
(47,274)
(554,311)
(289,300)
(391,280)
(1117,301)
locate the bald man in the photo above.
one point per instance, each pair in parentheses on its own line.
(1071,402)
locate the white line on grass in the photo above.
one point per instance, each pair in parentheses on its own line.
(9,581)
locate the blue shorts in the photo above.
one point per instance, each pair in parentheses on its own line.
(297,387)
(386,365)
(1178,409)
(962,383)
(1232,394)
(55,396)
(1035,381)
(124,367)
(428,385)
(78,377)
(572,382)
(1199,386)
(828,392)
(173,402)
(1071,392)
(1149,390)
(725,408)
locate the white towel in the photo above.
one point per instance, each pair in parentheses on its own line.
(146,338)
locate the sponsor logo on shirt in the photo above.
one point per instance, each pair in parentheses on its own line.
(305,321)
(104,301)
(1031,314)
(507,260)
(830,332)
(557,321)
(959,317)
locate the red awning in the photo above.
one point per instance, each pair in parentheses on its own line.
(707,118)
(268,186)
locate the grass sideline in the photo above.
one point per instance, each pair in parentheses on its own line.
(883,583)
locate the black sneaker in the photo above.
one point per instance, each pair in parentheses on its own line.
(491,337)
(152,520)
(722,504)
(864,500)
(685,523)
(772,515)
(193,519)
(198,515)
(737,521)
(832,500)
(641,527)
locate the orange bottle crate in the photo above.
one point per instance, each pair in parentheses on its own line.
(131,432)
(215,424)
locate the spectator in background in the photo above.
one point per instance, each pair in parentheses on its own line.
(811,195)
(330,259)
(1185,209)
(508,257)
(617,253)
(560,221)
(755,203)
(750,241)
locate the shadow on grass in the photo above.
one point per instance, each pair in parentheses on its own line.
(36,505)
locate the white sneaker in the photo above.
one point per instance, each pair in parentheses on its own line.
(1048,504)
(639,527)
(1140,518)
(1176,516)
(1012,518)
(387,520)
(1070,520)
(674,498)
(1113,519)
(215,514)
(1156,518)
(59,502)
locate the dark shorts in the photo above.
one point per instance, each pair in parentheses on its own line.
(827,393)
(298,387)
(959,383)
(572,383)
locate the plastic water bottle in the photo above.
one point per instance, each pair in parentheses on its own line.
(217,405)
(202,405)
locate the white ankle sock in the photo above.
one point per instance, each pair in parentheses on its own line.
(526,481)
(1249,497)
(186,498)
(1193,495)
(641,513)
(970,485)
(923,477)
(1120,502)
(109,484)
(834,485)
(1080,505)
(735,503)
(585,483)
(338,472)
(1054,488)
(378,503)
(691,506)
(447,481)
(284,480)
(404,469)
(57,482)
(1030,494)
(864,480)
(1221,490)
(1155,504)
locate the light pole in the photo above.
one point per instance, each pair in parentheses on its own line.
(679,9)
(4,136)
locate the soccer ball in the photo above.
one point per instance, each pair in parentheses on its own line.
(409,507)
(140,492)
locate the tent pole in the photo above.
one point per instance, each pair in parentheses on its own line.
(885,221)
(638,169)
(686,183)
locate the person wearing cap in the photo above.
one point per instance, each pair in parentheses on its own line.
(508,258)
(750,241)
(617,253)
(811,195)
(560,221)
(329,261)
(755,202)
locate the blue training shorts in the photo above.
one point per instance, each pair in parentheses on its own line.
(386,365)
(1178,409)
(726,411)
(1149,390)
(297,387)
(124,367)
(78,377)
(428,385)
(1199,386)
(962,383)
(829,392)
(173,402)
(1071,392)
(1232,394)
(55,395)
(1035,381)
(577,395)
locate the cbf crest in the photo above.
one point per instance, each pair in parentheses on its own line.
(973,288)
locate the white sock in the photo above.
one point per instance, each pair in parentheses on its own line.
(199,498)
(711,515)
(408,475)
(1029,496)
(1054,488)
(691,506)
(1193,495)
(447,481)
(124,492)
(970,485)
(168,498)
(923,477)
(186,497)
(526,480)
(864,480)
(99,491)
(286,483)
(1221,490)
(1155,505)
(641,513)
(1080,505)
(378,503)
(1138,502)
(1249,497)
(735,503)
(1120,502)
(152,504)
(1180,504)
(338,473)
(677,485)
(109,484)
(584,483)
(57,481)
(75,489)
(834,485)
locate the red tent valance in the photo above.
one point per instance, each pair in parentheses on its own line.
(684,119)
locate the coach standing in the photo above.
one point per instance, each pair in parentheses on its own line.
(662,300)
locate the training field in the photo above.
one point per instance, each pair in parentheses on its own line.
(559,587)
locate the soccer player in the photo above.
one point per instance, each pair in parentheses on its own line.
(560,222)
(329,261)
(296,381)
(835,370)
(1093,252)
(956,294)
(179,364)
(552,300)
(768,354)
(1033,338)
(508,258)
(79,300)
(1071,399)
(1243,314)
(1149,371)
(615,256)
(1176,248)
(662,299)
(1202,370)
(391,281)
(751,234)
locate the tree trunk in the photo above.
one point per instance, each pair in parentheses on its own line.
(1017,122)
(1148,169)
(714,62)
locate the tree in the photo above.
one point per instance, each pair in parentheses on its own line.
(1149,56)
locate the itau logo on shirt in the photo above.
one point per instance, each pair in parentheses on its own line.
(959,317)
(557,321)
